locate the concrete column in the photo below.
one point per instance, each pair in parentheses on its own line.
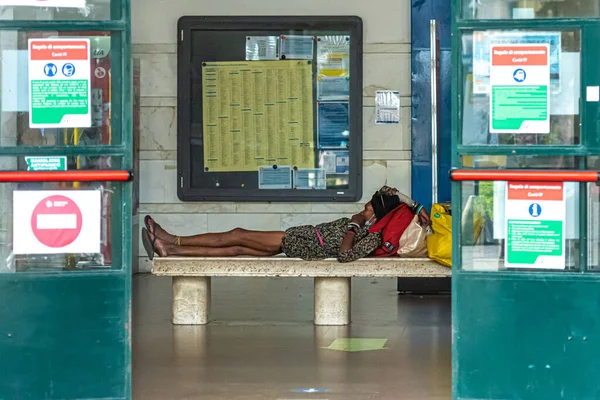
(332,301)
(191,300)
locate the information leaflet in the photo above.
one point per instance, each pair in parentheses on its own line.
(59,83)
(535,225)
(520,83)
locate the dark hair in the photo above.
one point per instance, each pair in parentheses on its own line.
(383,204)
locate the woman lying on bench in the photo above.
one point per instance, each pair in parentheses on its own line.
(344,239)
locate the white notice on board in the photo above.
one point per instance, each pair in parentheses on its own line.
(275,177)
(310,179)
(297,47)
(262,48)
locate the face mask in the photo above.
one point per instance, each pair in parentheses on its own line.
(370,222)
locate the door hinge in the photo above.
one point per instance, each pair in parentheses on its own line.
(181,35)
(181,182)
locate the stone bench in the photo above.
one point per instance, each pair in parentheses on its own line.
(192,292)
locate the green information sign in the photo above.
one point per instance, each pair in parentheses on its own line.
(514,105)
(528,240)
(535,225)
(46,163)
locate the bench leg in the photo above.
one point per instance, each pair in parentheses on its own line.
(332,301)
(191,300)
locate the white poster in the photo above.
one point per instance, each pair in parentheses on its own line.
(56,221)
(45,3)
(60,83)
(520,89)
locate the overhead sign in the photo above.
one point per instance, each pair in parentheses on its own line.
(59,83)
(45,3)
(56,222)
(46,163)
(535,216)
(520,89)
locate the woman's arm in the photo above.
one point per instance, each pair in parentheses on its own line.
(361,248)
(395,192)
(416,208)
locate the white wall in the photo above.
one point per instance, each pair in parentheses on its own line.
(386,147)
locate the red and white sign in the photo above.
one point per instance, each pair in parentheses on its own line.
(45,3)
(56,222)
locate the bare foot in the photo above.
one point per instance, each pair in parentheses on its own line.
(160,247)
(160,232)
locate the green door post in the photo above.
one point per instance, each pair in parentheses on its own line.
(65,328)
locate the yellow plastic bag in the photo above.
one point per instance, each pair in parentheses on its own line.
(439,244)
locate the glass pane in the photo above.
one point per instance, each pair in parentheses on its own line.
(91,89)
(57,10)
(289,124)
(519,162)
(564,90)
(109,234)
(528,9)
(593,227)
(535,228)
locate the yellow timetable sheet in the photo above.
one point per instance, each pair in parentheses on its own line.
(257,113)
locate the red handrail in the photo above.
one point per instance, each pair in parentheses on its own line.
(66,176)
(524,175)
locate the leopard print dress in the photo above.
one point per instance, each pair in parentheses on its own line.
(324,241)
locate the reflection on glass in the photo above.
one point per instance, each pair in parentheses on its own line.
(565,66)
(529,9)
(484,226)
(14,94)
(81,10)
(336,164)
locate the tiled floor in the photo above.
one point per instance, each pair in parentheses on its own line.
(263,344)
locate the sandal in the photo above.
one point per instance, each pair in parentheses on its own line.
(148,243)
(154,225)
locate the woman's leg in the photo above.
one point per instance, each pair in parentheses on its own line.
(164,249)
(257,240)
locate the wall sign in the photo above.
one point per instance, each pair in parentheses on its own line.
(520,89)
(59,83)
(535,225)
(56,222)
(58,163)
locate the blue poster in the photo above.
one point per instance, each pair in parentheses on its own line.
(333,125)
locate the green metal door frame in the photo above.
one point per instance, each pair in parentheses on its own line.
(66,334)
(526,334)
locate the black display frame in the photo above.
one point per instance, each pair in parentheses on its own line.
(188,25)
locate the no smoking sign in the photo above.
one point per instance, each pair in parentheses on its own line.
(56,222)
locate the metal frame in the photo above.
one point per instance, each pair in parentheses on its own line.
(119,25)
(276,23)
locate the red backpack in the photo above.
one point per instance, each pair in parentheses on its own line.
(392,226)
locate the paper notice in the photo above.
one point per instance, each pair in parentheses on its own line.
(262,48)
(387,107)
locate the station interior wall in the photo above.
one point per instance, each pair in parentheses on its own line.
(386,148)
